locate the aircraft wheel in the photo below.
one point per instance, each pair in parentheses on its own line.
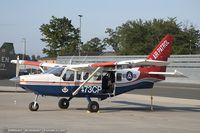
(93,106)
(63,103)
(32,107)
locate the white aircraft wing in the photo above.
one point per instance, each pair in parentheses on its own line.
(93,66)
(144,62)
(35,63)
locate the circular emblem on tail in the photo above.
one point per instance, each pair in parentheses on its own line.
(129,75)
(65,90)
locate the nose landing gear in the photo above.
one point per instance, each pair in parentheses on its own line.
(34,106)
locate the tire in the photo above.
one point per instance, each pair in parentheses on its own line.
(93,106)
(63,103)
(32,108)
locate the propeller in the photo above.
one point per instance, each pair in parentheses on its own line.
(16,78)
(17,67)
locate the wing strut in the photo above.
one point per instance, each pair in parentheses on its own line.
(78,89)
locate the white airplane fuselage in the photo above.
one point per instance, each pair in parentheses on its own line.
(50,85)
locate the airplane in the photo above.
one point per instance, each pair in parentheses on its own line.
(7,53)
(97,80)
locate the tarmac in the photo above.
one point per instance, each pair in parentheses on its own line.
(126,113)
(164,89)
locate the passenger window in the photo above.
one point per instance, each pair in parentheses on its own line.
(124,76)
(97,76)
(119,77)
(78,76)
(86,75)
(68,76)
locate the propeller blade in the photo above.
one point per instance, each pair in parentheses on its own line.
(17,67)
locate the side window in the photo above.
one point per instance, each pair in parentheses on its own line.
(119,77)
(78,76)
(68,76)
(97,76)
(85,75)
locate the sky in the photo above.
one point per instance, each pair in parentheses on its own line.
(23,18)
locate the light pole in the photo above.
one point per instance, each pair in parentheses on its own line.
(79,48)
(24,54)
(24,42)
(190,47)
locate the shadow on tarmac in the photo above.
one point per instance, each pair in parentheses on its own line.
(137,107)
(141,108)
(146,108)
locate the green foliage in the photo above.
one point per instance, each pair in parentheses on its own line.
(61,37)
(26,57)
(33,58)
(140,37)
(95,45)
(112,39)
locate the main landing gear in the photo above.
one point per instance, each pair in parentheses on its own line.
(64,103)
(93,106)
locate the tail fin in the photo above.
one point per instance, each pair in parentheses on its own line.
(163,50)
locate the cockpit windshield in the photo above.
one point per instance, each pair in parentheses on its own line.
(57,71)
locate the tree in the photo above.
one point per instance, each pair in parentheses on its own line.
(33,58)
(26,57)
(38,57)
(112,39)
(61,37)
(191,40)
(140,37)
(95,45)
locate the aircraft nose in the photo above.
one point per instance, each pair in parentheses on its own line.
(15,79)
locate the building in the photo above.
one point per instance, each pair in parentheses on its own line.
(7,53)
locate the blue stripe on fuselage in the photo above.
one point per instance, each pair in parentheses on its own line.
(50,90)
(141,85)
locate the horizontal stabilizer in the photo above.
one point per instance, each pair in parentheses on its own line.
(168,74)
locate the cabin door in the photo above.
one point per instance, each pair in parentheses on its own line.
(108,82)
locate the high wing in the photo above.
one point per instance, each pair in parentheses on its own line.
(35,63)
(144,62)
(40,65)
(135,63)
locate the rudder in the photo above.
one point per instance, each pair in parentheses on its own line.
(163,50)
